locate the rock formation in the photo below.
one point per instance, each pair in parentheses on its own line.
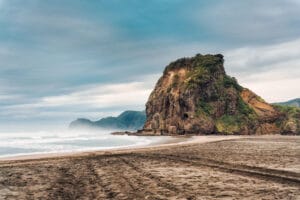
(196,96)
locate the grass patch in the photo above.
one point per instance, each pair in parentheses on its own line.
(198,77)
(231,82)
(204,108)
(244,108)
(228,124)
(289,110)
(291,121)
(209,62)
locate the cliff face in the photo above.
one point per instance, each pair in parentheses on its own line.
(195,95)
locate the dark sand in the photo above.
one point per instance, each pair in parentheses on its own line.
(265,167)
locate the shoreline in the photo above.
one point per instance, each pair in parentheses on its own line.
(175,141)
(41,155)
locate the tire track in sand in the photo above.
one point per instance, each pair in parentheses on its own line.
(130,182)
(174,191)
(76,182)
(280,176)
(113,181)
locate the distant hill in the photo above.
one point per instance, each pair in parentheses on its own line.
(128,120)
(293,102)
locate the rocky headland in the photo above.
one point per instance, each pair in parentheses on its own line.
(196,96)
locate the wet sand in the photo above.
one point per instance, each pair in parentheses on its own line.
(215,167)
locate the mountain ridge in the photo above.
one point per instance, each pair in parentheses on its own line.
(127,120)
(293,102)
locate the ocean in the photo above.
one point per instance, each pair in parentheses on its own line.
(67,141)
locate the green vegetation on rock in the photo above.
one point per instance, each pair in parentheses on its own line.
(290,123)
(228,124)
(290,110)
(204,108)
(231,82)
(198,77)
(203,66)
(208,62)
(243,108)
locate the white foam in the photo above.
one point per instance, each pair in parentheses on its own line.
(66,141)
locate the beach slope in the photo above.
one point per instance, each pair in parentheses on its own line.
(257,167)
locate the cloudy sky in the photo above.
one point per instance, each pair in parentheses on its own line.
(64,59)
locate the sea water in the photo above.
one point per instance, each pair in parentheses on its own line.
(65,141)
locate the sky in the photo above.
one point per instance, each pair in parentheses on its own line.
(66,59)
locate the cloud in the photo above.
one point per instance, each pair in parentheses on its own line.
(287,88)
(264,57)
(84,102)
(89,57)
(273,71)
(8,97)
(250,22)
(103,96)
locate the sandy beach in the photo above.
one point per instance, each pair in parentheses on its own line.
(204,167)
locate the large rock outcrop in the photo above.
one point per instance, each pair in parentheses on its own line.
(196,96)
